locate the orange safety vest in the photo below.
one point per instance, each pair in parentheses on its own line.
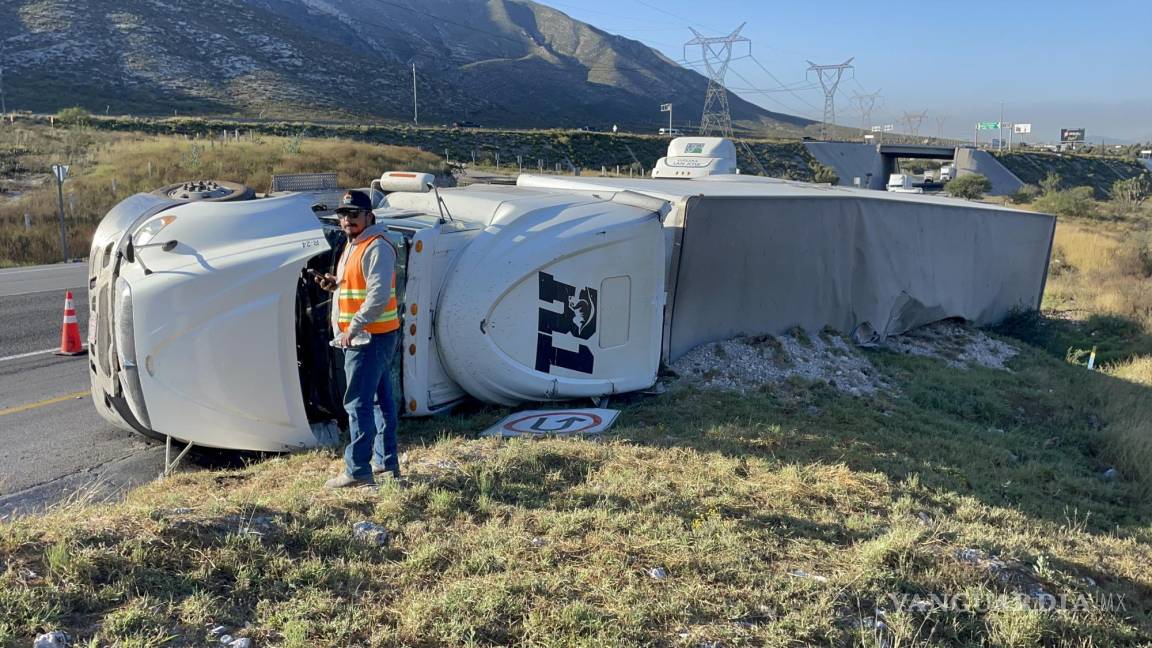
(354,288)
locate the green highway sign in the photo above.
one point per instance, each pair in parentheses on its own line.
(988,126)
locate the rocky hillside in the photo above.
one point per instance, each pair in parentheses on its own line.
(494,62)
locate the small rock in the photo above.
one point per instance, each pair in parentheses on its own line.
(1013,458)
(371,533)
(1111,474)
(54,639)
(924,518)
(1094,422)
(226,639)
(181,511)
(539,542)
(242,642)
(217,631)
(1089,581)
(800,573)
(658,573)
(1051,442)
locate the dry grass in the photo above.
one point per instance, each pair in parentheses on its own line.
(1098,268)
(108,167)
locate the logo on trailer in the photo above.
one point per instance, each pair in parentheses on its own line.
(577,319)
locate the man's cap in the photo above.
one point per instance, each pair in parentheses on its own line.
(355,199)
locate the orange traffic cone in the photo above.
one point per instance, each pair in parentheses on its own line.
(70,344)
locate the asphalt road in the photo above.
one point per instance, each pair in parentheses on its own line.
(54,447)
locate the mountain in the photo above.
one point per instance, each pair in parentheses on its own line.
(495,62)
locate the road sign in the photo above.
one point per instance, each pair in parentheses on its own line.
(988,125)
(888,128)
(1022,128)
(61,171)
(567,422)
(877,129)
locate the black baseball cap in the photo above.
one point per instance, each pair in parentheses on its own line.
(353,200)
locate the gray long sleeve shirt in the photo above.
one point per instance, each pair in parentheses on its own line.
(379,266)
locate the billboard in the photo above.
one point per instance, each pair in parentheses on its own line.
(1021,128)
(1069,135)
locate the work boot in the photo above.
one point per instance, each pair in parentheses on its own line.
(381,470)
(344,480)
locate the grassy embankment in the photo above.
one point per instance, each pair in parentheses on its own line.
(794,515)
(108,167)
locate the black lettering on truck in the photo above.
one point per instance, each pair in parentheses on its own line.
(578,319)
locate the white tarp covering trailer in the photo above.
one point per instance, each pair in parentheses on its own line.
(206,327)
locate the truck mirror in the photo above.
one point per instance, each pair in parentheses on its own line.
(407,182)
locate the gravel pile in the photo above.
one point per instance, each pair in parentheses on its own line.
(747,363)
(744,364)
(958,345)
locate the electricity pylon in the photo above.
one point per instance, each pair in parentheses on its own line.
(717,54)
(913,121)
(830,76)
(864,105)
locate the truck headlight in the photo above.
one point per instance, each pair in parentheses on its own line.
(149,230)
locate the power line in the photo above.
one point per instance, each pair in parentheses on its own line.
(781,83)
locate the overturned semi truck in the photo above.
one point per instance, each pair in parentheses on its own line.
(206,328)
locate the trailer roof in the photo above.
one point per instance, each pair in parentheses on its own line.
(739,186)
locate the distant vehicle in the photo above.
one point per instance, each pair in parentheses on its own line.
(947,172)
(465,124)
(589,129)
(902,183)
(670,131)
(929,175)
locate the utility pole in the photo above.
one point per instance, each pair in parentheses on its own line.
(830,76)
(415,113)
(3,105)
(1001,144)
(940,119)
(717,54)
(864,104)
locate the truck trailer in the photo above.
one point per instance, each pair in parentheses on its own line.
(206,328)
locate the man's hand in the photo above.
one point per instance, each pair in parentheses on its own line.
(327,281)
(342,340)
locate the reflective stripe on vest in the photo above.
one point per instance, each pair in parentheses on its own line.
(354,289)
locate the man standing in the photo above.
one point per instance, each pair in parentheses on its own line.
(365,324)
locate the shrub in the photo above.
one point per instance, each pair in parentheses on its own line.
(824,174)
(1025,194)
(74,116)
(1077,202)
(1132,193)
(1051,183)
(969,186)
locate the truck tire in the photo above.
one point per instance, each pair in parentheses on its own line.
(206,191)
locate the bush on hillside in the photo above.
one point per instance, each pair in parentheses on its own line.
(1132,193)
(1076,202)
(1025,194)
(970,187)
(1051,183)
(74,116)
(824,174)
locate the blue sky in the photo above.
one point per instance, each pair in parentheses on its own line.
(1055,64)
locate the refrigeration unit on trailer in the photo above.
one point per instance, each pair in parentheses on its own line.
(207,328)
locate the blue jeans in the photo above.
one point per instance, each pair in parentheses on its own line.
(368,369)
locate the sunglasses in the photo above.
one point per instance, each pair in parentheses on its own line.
(349,215)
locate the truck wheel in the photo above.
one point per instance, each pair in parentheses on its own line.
(206,191)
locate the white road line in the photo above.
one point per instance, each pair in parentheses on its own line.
(27,355)
(61,268)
